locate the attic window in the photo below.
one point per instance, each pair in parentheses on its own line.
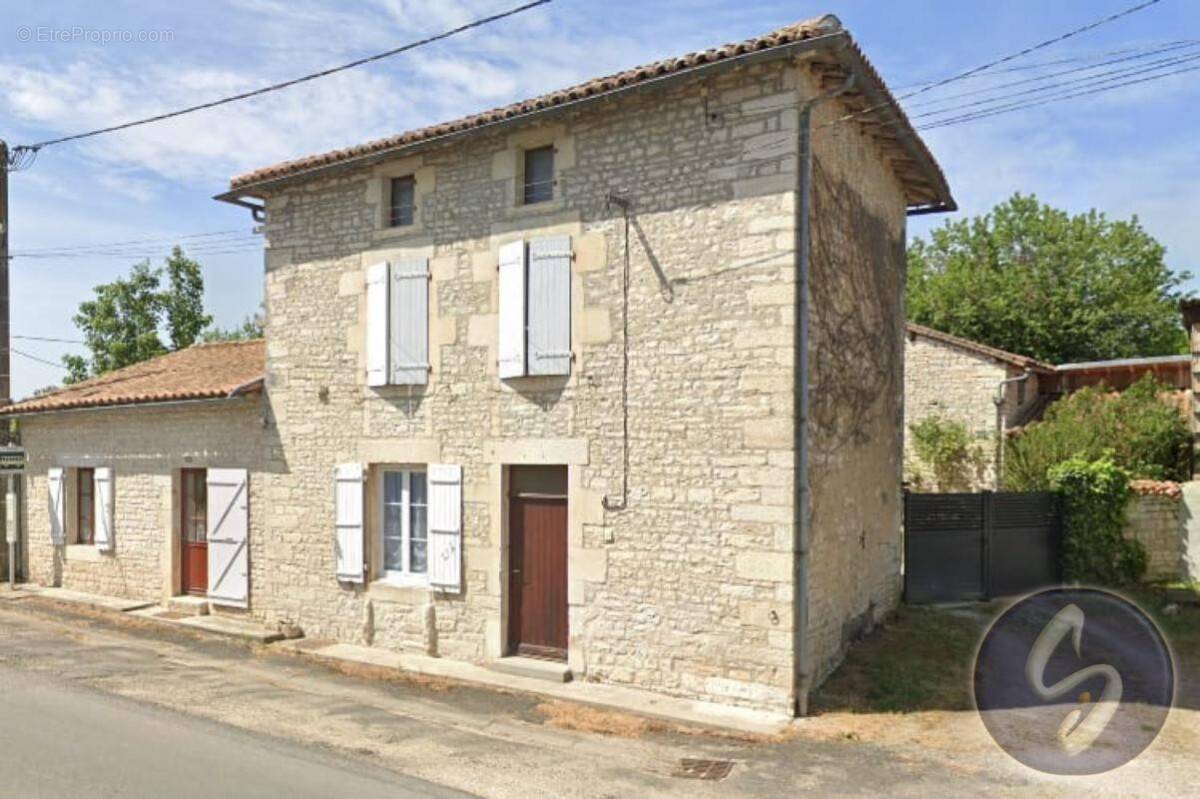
(539,175)
(403,201)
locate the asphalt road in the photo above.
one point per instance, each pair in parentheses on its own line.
(58,740)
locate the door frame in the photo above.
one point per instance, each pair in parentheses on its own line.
(513,646)
(181,586)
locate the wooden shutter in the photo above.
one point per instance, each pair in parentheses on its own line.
(377,324)
(103,481)
(56,483)
(512,310)
(550,306)
(410,323)
(348,522)
(445,527)
(228,531)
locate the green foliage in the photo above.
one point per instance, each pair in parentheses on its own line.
(1032,279)
(252,327)
(121,325)
(1143,435)
(183,303)
(948,456)
(1095,550)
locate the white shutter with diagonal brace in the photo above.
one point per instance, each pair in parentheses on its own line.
(445,527)
(228,533)
(103,482)
(511,348)
(348,522)
(409,315)
(549,306)
(377,324)
(56,483)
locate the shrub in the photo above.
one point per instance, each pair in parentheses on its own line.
(949,458)
(1136,429)
(1095,550)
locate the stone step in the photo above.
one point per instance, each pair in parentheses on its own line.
(548,670)
(188,605)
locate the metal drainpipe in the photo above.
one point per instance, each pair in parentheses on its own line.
(801,492)
(999,401)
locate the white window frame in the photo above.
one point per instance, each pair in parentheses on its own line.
(404,576)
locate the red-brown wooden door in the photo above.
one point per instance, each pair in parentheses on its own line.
(193,527)
(537,621)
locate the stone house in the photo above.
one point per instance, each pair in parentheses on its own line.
(986,389)
(125,471)
(607,382)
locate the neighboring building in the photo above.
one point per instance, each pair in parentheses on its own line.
(532,380)
(126,470)
(986,389)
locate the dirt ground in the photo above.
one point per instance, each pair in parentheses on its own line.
(896,719)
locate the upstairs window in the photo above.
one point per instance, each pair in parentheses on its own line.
(539,175)
(403,201)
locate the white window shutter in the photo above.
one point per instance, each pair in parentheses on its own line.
(56,483)
(103,481)
(550,306)
(512,310)
(377,324)
(445,527)
(410,323)
(228,534)
(348,522)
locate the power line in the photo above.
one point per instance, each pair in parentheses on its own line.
(181,237)
(1113,76)
(21,150)
(47,338)
(16,351)
(983,113)
(1058,61)
(1049,75)
(1003,60)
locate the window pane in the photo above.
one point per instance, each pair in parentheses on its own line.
(417,496)
(393,485)
(403,201)
(418,557)
(539,175)
(393,538)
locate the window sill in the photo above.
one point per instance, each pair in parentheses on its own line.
(397,233)
(535,209)
(406,592)
(82,552)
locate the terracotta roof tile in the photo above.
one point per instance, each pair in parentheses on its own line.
(1020,361)
(202,371)
(915,165)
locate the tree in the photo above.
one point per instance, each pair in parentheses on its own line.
(119,326)
(122,324)
(1035,280)
(183,303)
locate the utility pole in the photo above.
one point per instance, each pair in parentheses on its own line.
(5,341)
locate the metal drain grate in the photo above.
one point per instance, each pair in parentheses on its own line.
(711,770)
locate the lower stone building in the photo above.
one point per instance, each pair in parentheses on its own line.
(138,483)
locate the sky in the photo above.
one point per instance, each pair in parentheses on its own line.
(69,66)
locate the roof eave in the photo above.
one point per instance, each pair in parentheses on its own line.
(127,405)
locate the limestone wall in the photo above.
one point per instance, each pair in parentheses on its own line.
(146,448)
(857,394)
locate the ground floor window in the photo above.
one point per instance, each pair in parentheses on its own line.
(405,524)
(85,506)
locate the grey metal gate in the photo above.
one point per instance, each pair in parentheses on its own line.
(980,545)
